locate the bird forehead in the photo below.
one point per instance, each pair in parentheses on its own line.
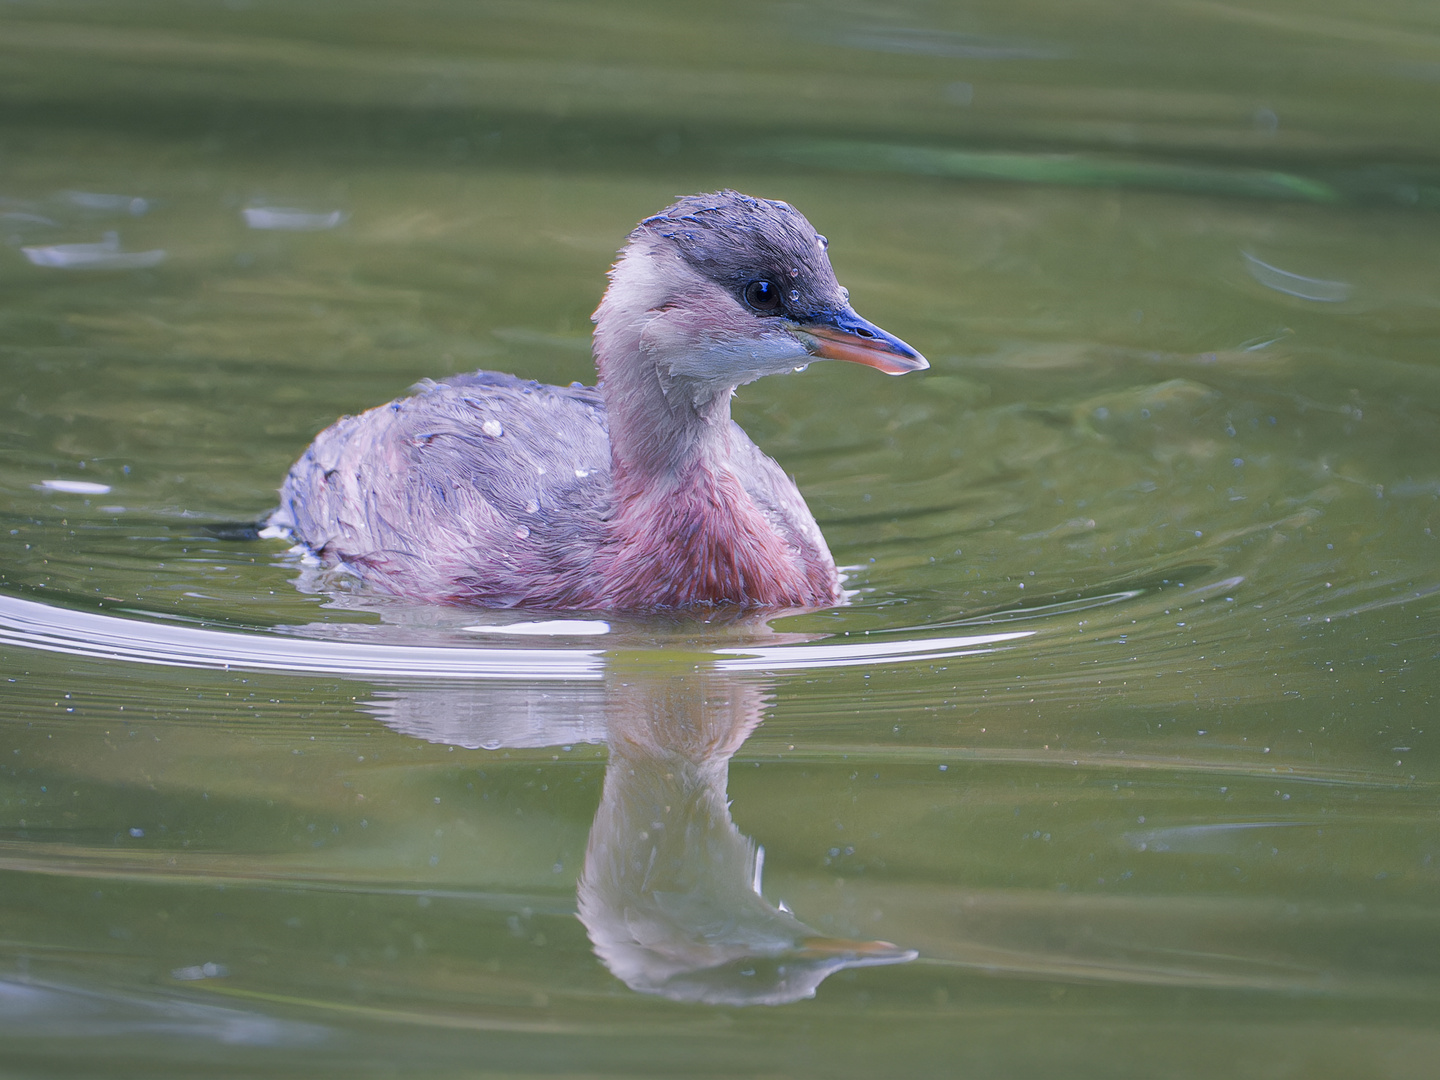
(734,238)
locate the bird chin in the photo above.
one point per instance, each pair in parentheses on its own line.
(719,366)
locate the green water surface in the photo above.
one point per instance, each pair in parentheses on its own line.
(1176,267)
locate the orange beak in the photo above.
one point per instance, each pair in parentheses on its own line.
(846,336)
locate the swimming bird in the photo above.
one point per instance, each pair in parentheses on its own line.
(638,494)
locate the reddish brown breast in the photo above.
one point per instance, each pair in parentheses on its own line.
(706,542)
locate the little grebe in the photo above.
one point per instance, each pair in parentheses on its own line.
(635,495)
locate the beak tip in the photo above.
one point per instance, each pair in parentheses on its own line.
(902,363)
(861,342)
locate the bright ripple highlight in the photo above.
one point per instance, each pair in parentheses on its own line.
(32,625)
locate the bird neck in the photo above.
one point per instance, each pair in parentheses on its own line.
(665,428)
(660,445)
(683,529)
(683,526)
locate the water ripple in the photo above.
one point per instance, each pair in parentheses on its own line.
(33,625)
(80,633)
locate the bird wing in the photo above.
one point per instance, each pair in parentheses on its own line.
(475,488)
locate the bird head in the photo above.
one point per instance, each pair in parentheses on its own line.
(722,289)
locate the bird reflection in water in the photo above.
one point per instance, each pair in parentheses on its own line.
(670,891)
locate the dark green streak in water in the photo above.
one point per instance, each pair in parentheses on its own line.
(1069,169)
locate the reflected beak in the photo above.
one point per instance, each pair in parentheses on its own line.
(860,952)
(846,336)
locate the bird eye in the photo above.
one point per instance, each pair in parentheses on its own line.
(763,295)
